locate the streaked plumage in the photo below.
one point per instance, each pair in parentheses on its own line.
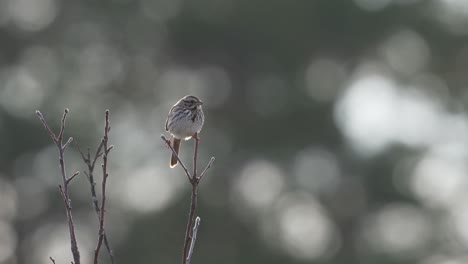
(185,119)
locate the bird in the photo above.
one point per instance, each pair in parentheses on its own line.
(184,121)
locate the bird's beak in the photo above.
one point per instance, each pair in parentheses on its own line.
(200,103)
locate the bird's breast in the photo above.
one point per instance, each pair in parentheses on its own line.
(184,129)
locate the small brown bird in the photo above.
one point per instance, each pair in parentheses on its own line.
(185,120)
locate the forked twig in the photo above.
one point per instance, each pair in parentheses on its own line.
(194,179)
(105,175)
(58,141)
(90,163)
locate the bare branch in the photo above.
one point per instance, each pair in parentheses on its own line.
(68,143)
(51,259)
(64,190)
(206,168)
(90,175)
(85,158)
(73,176)
(62,128)
(105,175)
(46,126)
(98,154)
(192,224)
(193,207)
(168,144)
(194,239)
(195,156)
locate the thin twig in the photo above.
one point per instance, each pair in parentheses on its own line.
(194,239)
(193,207)
(195,156)
(52,259)
(62,127)
(90,175)
(206,169)
(109,249)
(68,143)
(106,151)
(168,144)
(58,140)
(46,126)
(193,204)
(73,176)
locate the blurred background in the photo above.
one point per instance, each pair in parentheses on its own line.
(339,128)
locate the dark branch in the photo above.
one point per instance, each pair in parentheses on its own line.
(194,239)
(194,179)
(90,175)
(193,207)
(62,127)
(195,156)
(73,176)
(105,175)
(65,180)
(193,204)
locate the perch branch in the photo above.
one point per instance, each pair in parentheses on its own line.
(194,179)
(195,156)
(193,207)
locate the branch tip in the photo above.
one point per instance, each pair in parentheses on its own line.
(73,176)
(57,139)
(70,139)
(194,238)
(206,168)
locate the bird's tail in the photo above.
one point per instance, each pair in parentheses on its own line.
(175,143)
